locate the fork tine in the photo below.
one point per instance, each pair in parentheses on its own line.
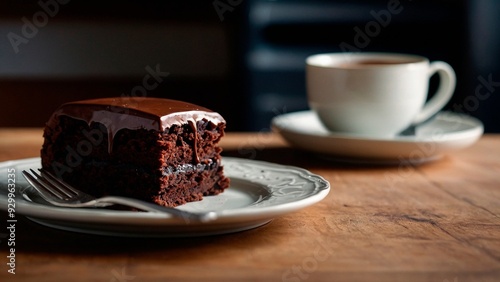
(61,185)
(57,193)
(41,186)
(49,185)
(54,186)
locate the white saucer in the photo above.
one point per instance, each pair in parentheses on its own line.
(259,192)
(447,132)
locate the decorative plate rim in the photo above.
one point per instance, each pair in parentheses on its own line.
(289,189)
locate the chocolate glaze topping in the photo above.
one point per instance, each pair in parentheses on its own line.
(135,113)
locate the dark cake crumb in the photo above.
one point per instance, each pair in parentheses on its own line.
(169,165)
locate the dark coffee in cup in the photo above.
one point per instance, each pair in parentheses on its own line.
(365,63)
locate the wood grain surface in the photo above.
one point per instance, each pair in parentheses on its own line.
(436,222)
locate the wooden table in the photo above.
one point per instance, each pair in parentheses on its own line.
(436,222)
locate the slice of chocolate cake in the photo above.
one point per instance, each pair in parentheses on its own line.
(159,150)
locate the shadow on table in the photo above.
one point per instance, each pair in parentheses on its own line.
(32,237)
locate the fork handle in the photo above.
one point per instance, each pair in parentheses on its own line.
(188,217)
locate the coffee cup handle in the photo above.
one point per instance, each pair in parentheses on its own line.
(444,92)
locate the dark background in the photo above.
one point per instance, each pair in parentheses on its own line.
(244,59)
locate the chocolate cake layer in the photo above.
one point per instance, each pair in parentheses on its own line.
(159,150)
(135,113)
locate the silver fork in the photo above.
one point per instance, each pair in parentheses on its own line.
(61,194)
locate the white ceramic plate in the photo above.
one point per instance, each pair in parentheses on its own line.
(447,132)
(259,192)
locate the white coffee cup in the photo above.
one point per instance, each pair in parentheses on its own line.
(375,94)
